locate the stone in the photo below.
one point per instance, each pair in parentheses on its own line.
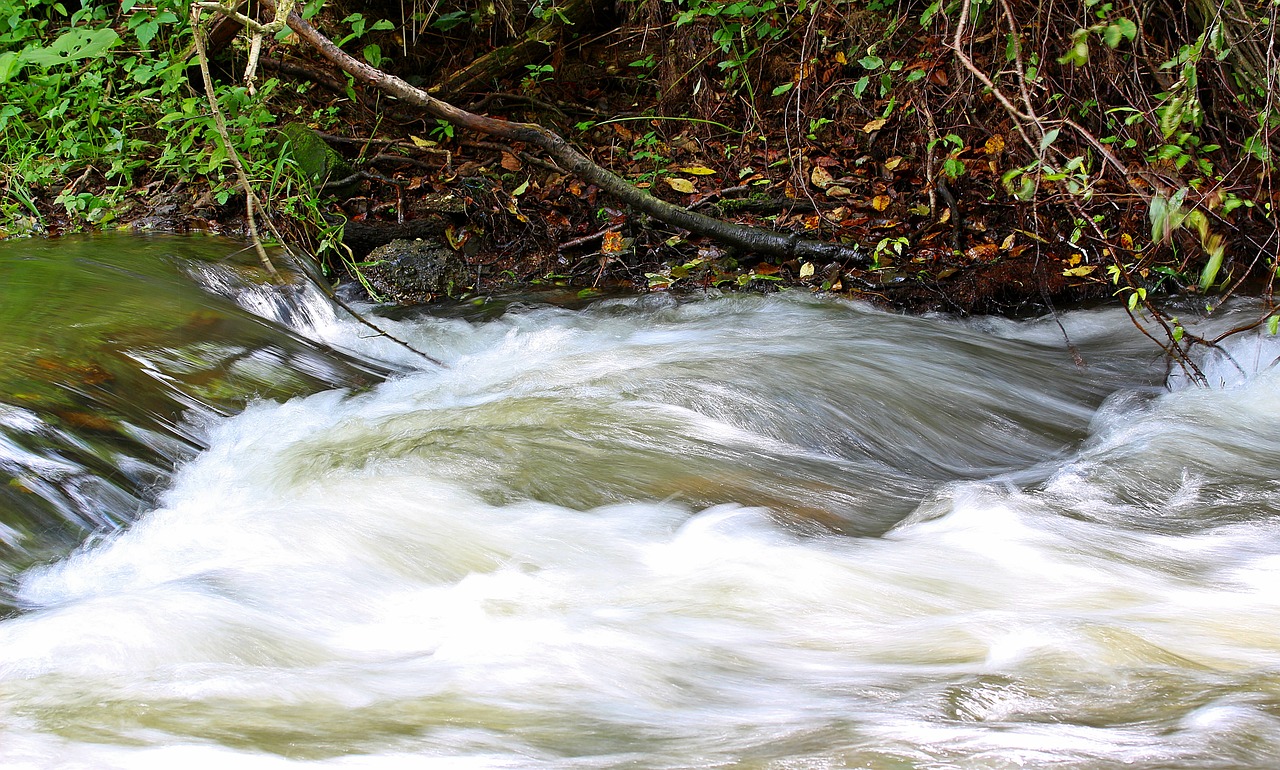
(415,272)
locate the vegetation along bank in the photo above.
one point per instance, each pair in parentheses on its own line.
(999,156)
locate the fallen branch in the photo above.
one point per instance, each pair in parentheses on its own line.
(750,239)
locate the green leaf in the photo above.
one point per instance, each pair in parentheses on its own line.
(1112,35)
(1273,325)
(1211,268)
(871,62)
(929,12)
(1048,139)
(782,89)
(10,64)
(72,45)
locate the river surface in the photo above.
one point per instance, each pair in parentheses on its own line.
(240,530)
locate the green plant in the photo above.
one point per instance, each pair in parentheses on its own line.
(536,74)
(885,247)
(443,130)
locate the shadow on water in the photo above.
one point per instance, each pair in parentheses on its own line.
(114,356)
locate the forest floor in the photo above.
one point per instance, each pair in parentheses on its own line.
(868,177)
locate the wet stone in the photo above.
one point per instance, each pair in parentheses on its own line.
(415,272)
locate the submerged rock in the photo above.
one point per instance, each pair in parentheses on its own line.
(415,272)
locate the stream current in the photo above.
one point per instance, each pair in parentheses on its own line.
(240,530)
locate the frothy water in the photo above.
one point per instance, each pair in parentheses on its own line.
(737,532)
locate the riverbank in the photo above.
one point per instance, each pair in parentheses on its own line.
(845,127)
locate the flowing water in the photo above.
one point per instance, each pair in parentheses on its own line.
(730,532)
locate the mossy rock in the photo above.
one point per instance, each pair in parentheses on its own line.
(415,272)
(316,160)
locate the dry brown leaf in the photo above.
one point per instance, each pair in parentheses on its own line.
(511,162)
(821,178)
(874,125)
(982,251)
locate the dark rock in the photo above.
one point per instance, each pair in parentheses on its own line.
(415,272)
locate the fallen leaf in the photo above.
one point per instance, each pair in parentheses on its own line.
(806,270)
(994,145)
(698,170)
(839,191)
(874,125)
(764,268)
(420,142)
(821,178)
(1079,272)
(982,251)
(511,162)
(1007,243)
(880,202)
(840,58)
(892,163)
(612,243)
(681,185)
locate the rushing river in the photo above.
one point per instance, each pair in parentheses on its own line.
(240,530)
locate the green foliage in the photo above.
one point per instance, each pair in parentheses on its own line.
(83,92)
(103,95)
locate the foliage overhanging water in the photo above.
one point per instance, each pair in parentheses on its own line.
(734,532)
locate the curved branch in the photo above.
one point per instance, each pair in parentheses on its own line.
(574,162)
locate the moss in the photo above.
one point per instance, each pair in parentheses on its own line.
(315,158)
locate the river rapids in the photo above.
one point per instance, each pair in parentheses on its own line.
(715,532)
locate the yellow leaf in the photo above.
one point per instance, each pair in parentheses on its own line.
(806,270)
(880,202)
(821,178)
(681,185)
(698,170)
(1007,243)
(874,125)
(1079,272)
(892,163)
(840,58)
(839,191)
(995,145)
(420,142)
